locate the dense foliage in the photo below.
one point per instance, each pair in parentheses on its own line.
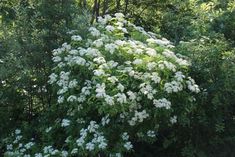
(202,32)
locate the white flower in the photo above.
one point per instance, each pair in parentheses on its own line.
(86,90)
(141,29)
(125,136)
(128,145)
(173,120)
(65,123)
(112,64)
(151,40)
(56,59)
(48,129)
(102,21)
(100,90)
(155,78)
(72,98)
(98,43)
(47,149)
(57,51)
(173,86)
(73,52)
(64,75)
(9,147)
(90,146)
(192,86)
(120,42)
(141,115)
(151,65)
(107,17)
(74,151)
(151,133)
(38,155)
(94,32)
(54,152)
(121,98)
(64,153)
(182,62)
(20,145)
(60,99)
(120,87)
(169,54)
(112,79)
(60,65)
(105,120)
(138,51)
(119,15)
(76,38)
(52,77)
(179,76)
(80,141)
(110,47)
(128,63)
(73,83)
(22,150)
(81,98)
(78,60)
(109,28)
(124,30)
(99,72)
(138,117)
(138,61)
(19,137)
(166,64)
(29,145)
(162,42)
(92,52)
(102,145)
(99,60)
(132,96)
(109,100)
(151,52)
(66,46)
(17,131)
(148,90)
(160,103)
(63,90)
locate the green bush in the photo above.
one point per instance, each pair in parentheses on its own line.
(213,67)
(116,86)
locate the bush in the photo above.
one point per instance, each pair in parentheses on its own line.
(116,85)
(213,69)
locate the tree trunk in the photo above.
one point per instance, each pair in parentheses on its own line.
(118,4)
(126,7)
(105,6)
(84,3)
(96,11)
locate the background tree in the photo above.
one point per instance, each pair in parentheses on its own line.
(203,30)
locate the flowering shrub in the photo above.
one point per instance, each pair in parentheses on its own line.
(116,85)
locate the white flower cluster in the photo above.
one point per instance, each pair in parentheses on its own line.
(127,145)
(65,123)
(17,147)
(76,38)
(151,133)
(138,117)
(160,103)
(97,142)
(192,86)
